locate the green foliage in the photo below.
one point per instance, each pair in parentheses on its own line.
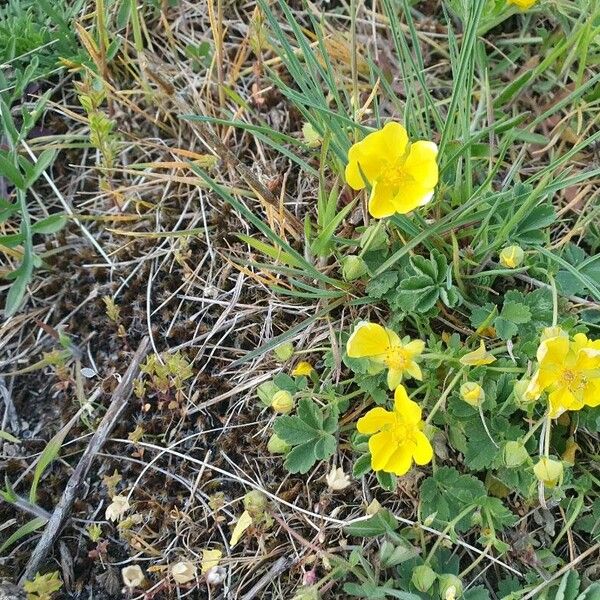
(43,587)
(310,433)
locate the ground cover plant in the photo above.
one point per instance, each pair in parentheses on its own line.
(300,299)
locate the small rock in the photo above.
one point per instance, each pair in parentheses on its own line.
(10,591)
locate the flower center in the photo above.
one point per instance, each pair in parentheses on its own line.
(403,432)
(396,176)
(396,359)
(573,380)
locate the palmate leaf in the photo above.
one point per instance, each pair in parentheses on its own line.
(310,432)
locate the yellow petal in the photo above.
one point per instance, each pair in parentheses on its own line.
(421,164)
(400,461)
(240,527)
(591,392)
(367,339)
(369,157)
(547,377)
(382,200)
(553,351)
(381,446)
(210,559)
(423,452)
(394,378)
(414,347)
(522,4)
(478,357)
(374,420)
(561,400)
(410,196)
(414,370)
(588,359)
(302,368)
(403,405)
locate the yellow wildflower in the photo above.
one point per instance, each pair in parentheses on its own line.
(522,4)
(302,368)
(402,176)
(385,349)
(569,370)
(511,257)
(472,393)
(478,357)
(396,438)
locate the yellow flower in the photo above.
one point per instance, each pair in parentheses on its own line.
(302,368)
(402,176)
(569,370)
(478,357)
(548,471)
(522,4)
(472,393)
(511,257)
(385,349)
(396,437)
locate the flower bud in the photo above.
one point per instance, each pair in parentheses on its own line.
(353,267)
(283,402)
(511,257)
(255,503)
(284,351)
(311,136)
(548,471)
(472,393)
(515,454)
(423,577)
(276,445)
(450,587)
(430,519)
(524,392)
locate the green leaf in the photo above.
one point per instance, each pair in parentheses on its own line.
(381,522)
(310,432)
(24,530)
(44,160)
(50,224)
(361,466)
(10,171)
(47,457)
(516,312)
(8,437)
(447,493)
(294,430)
(380,285)
(301,458)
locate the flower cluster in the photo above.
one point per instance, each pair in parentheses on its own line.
(568,371)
